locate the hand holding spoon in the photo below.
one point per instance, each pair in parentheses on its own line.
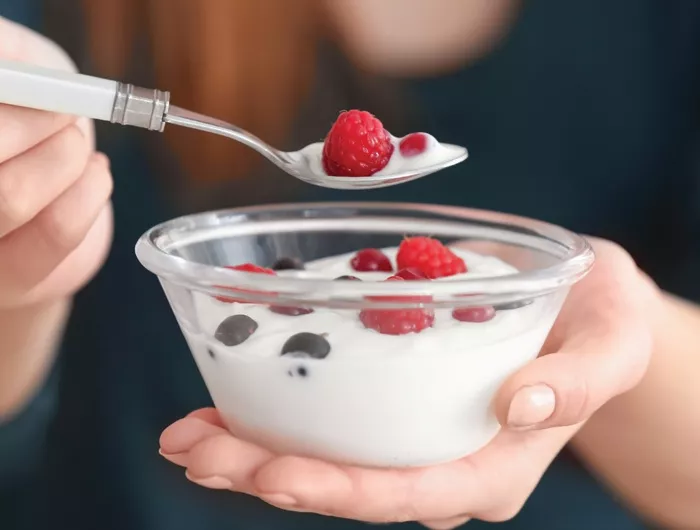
(26,85)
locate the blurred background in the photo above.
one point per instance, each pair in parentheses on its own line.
(584,114)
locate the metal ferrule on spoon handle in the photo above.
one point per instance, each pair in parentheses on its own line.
(27,85)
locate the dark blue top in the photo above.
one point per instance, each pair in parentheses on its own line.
(587,116)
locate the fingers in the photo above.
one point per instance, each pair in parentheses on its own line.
(446,524)
(372,495)
(30,182)
(603,345)
(213,457)
(442,496)
(54,229)
(22,129)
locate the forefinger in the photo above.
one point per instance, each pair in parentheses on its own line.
(21,129)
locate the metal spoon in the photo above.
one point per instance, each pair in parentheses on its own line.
(34,87)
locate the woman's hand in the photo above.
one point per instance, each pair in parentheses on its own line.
(55,223)
(599,348)
(55,218)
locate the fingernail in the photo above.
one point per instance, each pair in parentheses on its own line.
(176,458)
(531,405)
(215,482)
(279,499)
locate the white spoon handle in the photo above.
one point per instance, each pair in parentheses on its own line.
(26,85)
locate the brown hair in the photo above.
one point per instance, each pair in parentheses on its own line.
(249,62)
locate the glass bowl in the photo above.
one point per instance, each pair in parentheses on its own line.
(304,363)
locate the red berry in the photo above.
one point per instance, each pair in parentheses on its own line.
(250,267)
(411,273)
(429,256)
(474,314)
(356,146)
(371,260)
(245,267)
(413,144)
(398,321)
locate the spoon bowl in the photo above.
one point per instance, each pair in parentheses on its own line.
(305,163)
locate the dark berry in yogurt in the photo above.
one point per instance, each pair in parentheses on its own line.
(307,344)
(291,311)
(235,330)
(288,264)
(349,277)
(513,305)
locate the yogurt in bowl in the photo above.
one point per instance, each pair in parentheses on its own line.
(333,357)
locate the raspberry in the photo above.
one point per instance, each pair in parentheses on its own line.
(245,267)
(398,321)
(411,274)
(429,256)
(474,314)
(356,146)
(413,144)
(371,260)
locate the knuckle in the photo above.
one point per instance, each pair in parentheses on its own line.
(15,206)
(64,232)
(70,143)
(573,403)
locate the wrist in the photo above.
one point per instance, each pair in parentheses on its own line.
(29,338)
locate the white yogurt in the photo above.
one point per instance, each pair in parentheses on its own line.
(375,400)
(435,154)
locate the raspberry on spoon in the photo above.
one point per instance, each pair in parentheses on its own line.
(356,146)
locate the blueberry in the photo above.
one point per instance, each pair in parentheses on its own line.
(512,305)
(285,264)
(307,345)
(290,311)
(349,277)
(235,330)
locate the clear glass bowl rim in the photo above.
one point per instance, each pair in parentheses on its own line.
(578,260)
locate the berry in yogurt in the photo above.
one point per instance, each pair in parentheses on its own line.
(474,314)
(411,273)
(287,264)
(244,267)
(291,310)
(235,330)
(307,345)
(371,259)
(430,257)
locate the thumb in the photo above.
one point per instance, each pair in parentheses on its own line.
(601,355)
